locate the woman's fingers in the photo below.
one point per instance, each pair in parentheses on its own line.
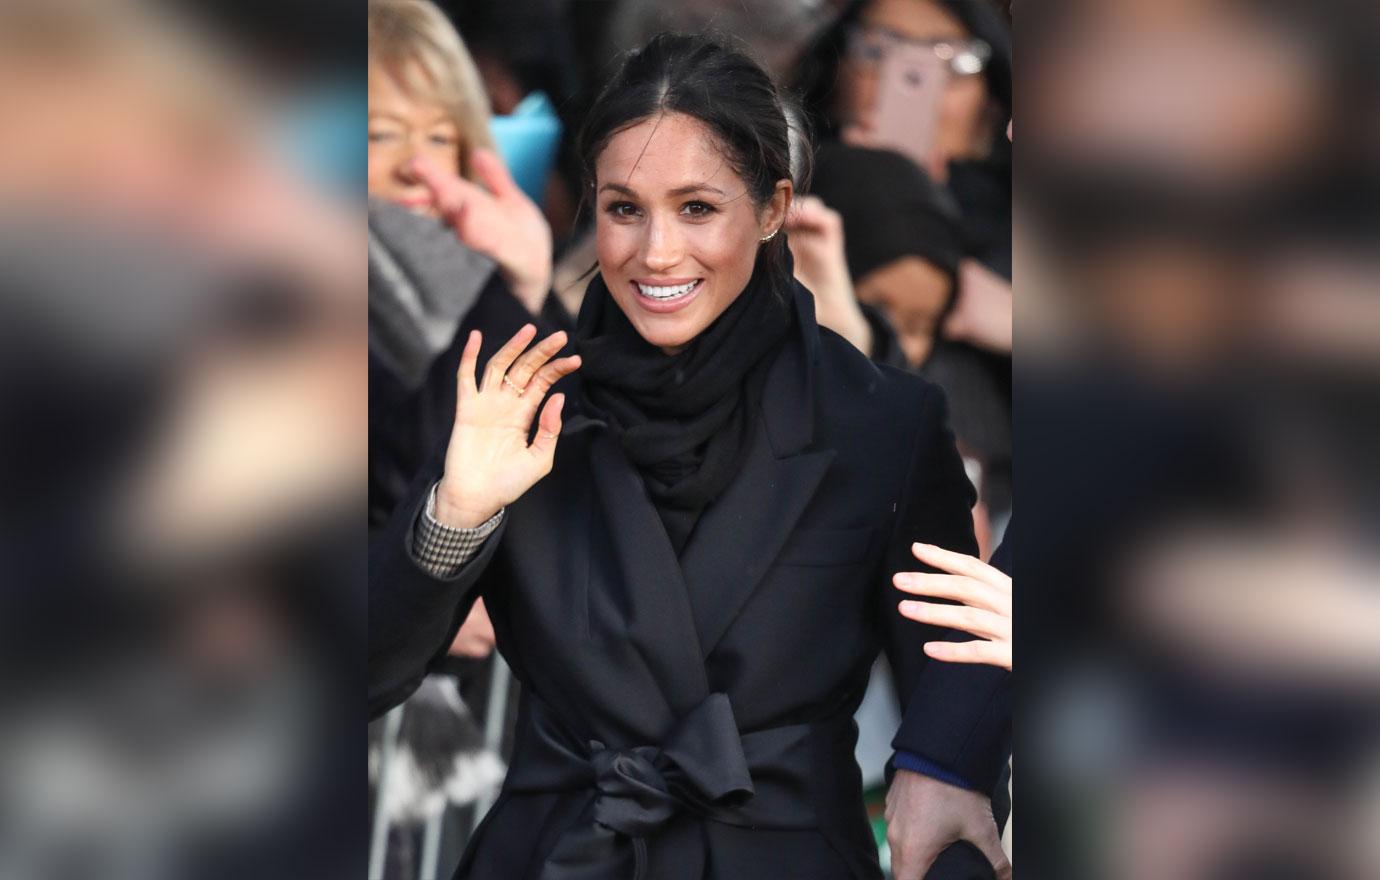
(522,370)
(498,365)
(857,135)
(548,427)
(469,357)
(491,170)
(960,588)
(959,563)
(985,624)
(804,213)
(449,191)
(811,214)
(990,653)
(550,374)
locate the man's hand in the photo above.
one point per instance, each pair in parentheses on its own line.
(924,815)
(476,636)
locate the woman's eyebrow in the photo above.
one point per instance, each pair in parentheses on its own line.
(695,187)
(396,115)
(678,191)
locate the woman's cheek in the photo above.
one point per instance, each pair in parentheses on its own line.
(615,243)
(381,164)
(716,244)
(446,156)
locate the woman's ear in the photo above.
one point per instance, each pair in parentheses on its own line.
(774,214)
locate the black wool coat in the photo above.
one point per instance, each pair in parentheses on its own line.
(692,718)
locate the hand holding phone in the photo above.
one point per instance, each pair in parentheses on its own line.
(912,79)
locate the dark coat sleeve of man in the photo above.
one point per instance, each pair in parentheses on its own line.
(956,716)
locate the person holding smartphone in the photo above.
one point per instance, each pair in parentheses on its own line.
(930,80)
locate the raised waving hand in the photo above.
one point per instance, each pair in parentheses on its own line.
(489,462)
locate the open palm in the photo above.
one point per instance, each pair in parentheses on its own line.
(489,462)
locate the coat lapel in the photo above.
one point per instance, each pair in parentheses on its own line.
(739,536)
(646,576)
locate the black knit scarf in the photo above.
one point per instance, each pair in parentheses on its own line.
(683,419)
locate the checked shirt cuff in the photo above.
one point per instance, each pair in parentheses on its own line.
(443,550)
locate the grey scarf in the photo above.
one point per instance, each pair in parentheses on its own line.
(422,281)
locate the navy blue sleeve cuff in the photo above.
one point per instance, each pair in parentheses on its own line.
(917,764)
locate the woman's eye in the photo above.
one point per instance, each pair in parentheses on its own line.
(442,140)
(698,209)
(377,137)
(621,209)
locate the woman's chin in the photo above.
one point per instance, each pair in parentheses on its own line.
(670,333)
(671,342)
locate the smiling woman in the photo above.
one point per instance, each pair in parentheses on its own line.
(664,556)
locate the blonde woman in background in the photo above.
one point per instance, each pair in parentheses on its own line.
(429,115)
(428,110)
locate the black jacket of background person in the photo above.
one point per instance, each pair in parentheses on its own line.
(748,655)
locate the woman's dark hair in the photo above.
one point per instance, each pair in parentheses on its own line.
(726,91)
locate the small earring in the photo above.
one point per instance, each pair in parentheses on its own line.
(769,237)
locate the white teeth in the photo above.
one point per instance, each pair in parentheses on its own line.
(666,292)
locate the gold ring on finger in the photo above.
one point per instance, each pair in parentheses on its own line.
(509,383)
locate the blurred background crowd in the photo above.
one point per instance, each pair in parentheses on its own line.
(184,401)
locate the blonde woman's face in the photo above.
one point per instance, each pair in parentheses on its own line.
(402,128)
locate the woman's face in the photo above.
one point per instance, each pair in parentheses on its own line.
(962,127)
(401,128)
(677,230)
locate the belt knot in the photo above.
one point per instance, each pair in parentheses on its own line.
(634,797)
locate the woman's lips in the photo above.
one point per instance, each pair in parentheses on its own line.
(668,304)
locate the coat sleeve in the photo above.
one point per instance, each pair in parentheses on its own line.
(413,615)
(956,717)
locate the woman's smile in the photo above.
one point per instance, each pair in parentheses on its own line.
(663,297)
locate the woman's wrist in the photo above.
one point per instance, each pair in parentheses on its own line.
(531,291)
(457,512)
(860,333)
(846,318)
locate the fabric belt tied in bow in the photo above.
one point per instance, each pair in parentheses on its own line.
(704,766)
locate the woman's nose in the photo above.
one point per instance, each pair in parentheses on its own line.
(403,168)
(662,248)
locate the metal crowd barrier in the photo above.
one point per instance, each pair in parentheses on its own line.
(494,718)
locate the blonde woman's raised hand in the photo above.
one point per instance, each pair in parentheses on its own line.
(986,610)
(489,462)
(497,220)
